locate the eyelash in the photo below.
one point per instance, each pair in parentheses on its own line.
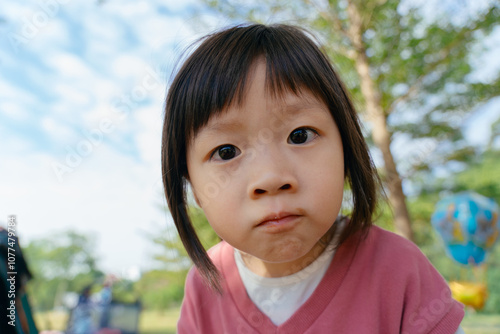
(236,152)
(217,151)
(314,132)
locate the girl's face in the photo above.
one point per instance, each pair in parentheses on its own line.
(269,175)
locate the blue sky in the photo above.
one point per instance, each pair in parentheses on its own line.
(81,96)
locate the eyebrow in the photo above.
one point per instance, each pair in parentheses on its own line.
(295,108)
(232,125)
(286,110)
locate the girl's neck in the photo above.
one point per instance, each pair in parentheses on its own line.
(270,269)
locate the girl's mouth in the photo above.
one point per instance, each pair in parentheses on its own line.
(280,222)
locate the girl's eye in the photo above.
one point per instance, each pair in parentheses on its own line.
(301,136)
(225,152)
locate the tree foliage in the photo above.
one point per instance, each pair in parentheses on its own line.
(60,263)
(410,74)
(160,289)
(173,255)
(412,58)
(164,287)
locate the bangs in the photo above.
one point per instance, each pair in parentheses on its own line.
(214,80)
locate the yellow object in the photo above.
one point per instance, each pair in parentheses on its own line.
(470,294)
(457,232)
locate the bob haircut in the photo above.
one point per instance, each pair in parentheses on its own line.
(214,77)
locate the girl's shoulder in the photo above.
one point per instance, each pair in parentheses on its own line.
(394,271)
(382,247)
(388,242)
(221,253)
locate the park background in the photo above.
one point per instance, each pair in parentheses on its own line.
(82,87)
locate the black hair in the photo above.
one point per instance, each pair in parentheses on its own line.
(214,77)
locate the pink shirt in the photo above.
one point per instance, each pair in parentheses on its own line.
(381,284)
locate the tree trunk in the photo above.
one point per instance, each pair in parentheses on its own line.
(380,133)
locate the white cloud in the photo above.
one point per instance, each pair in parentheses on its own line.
(53,32)
(108,194)
(176,5)
(128,65)
(71,95)
(11,145)
(15,10)
(104,88)
(173,30)
(68,65)
(99,113)
(56,130)
(104,33)
(128,8)
(14,111)
(11,93)
(149,134)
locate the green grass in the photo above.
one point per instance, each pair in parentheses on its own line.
(159,322)
(150,322)
(164,322)
(475,323)
(54,320)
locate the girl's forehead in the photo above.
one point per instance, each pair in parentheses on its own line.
(279,108)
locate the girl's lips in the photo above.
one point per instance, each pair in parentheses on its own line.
(279,222)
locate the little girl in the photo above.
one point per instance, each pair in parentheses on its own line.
(262,129)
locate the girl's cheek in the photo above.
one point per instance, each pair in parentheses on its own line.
(197,198)
(216,183)
(221,178)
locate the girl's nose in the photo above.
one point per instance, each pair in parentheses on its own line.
(270,176)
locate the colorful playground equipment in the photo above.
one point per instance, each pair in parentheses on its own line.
(468,225)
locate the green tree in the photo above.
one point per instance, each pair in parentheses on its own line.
(160,289)
(173,255)
(410,75)
(124,291)
(164,287)
(60,263)
(495,134)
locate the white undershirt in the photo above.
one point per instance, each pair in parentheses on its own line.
(280,297)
